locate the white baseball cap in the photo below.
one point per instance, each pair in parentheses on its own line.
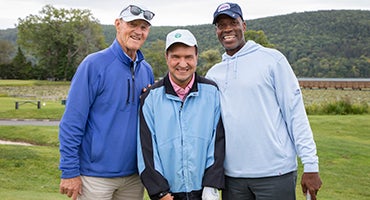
(133,12)
(180,36)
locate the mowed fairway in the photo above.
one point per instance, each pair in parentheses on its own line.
(31,172)
(343,144)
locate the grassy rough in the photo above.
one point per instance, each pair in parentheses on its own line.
(343,144)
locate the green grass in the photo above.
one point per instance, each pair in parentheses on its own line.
(16,82)
(30,195)
(312,97)
(343,144)
(50,93)
(36,135)
(10,82)
(52,110)
(31,172)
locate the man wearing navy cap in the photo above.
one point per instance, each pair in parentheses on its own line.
(266,126)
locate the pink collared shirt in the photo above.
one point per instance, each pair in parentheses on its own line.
(182,92)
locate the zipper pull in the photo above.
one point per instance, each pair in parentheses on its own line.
(132,69)
(133,80)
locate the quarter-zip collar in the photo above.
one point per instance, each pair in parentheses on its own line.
(123,57)
(132,66)
(232,61)
(170,89)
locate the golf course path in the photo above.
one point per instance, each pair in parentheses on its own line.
(32,122)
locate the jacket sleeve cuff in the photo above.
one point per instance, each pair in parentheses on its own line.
(311,167)
(159,195)
(70,173)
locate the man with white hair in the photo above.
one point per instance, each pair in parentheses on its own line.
(98,131)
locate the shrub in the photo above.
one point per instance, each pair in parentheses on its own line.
(341,107)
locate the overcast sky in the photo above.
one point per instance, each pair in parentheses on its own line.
(173,12)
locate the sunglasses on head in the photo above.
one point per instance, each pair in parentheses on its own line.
(135,10)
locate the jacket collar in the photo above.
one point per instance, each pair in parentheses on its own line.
(123,57)
(170,90)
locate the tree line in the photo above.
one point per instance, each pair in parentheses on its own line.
(327,44)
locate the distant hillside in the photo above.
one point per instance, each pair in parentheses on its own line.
(337,40)
(9,35)
(332,43)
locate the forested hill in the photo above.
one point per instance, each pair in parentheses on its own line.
(323,43)
(332,43)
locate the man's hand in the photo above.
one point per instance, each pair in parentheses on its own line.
(72,187)
(167,197)
(146,88)
(311,182)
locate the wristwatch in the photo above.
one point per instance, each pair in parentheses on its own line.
(162,194)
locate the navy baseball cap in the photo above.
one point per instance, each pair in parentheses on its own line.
(231,9)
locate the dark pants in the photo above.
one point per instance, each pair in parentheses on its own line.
(268,188)
(194,195)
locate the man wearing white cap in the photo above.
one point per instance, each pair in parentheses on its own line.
(181,137)
(98,131)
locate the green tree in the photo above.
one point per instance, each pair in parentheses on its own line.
(22,69)
(259,37)
(6,51)
(208,58)
(59,39)
(302,67)
(6,71)
(155,55)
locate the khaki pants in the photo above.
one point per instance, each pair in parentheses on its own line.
(121,188)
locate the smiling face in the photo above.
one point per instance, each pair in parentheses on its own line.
(131,35)
(182,63)
(230,33)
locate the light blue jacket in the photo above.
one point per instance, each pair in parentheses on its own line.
(98,131)
(181,144)
(265,122)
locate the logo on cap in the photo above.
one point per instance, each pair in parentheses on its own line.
(177,35)
(224,7)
